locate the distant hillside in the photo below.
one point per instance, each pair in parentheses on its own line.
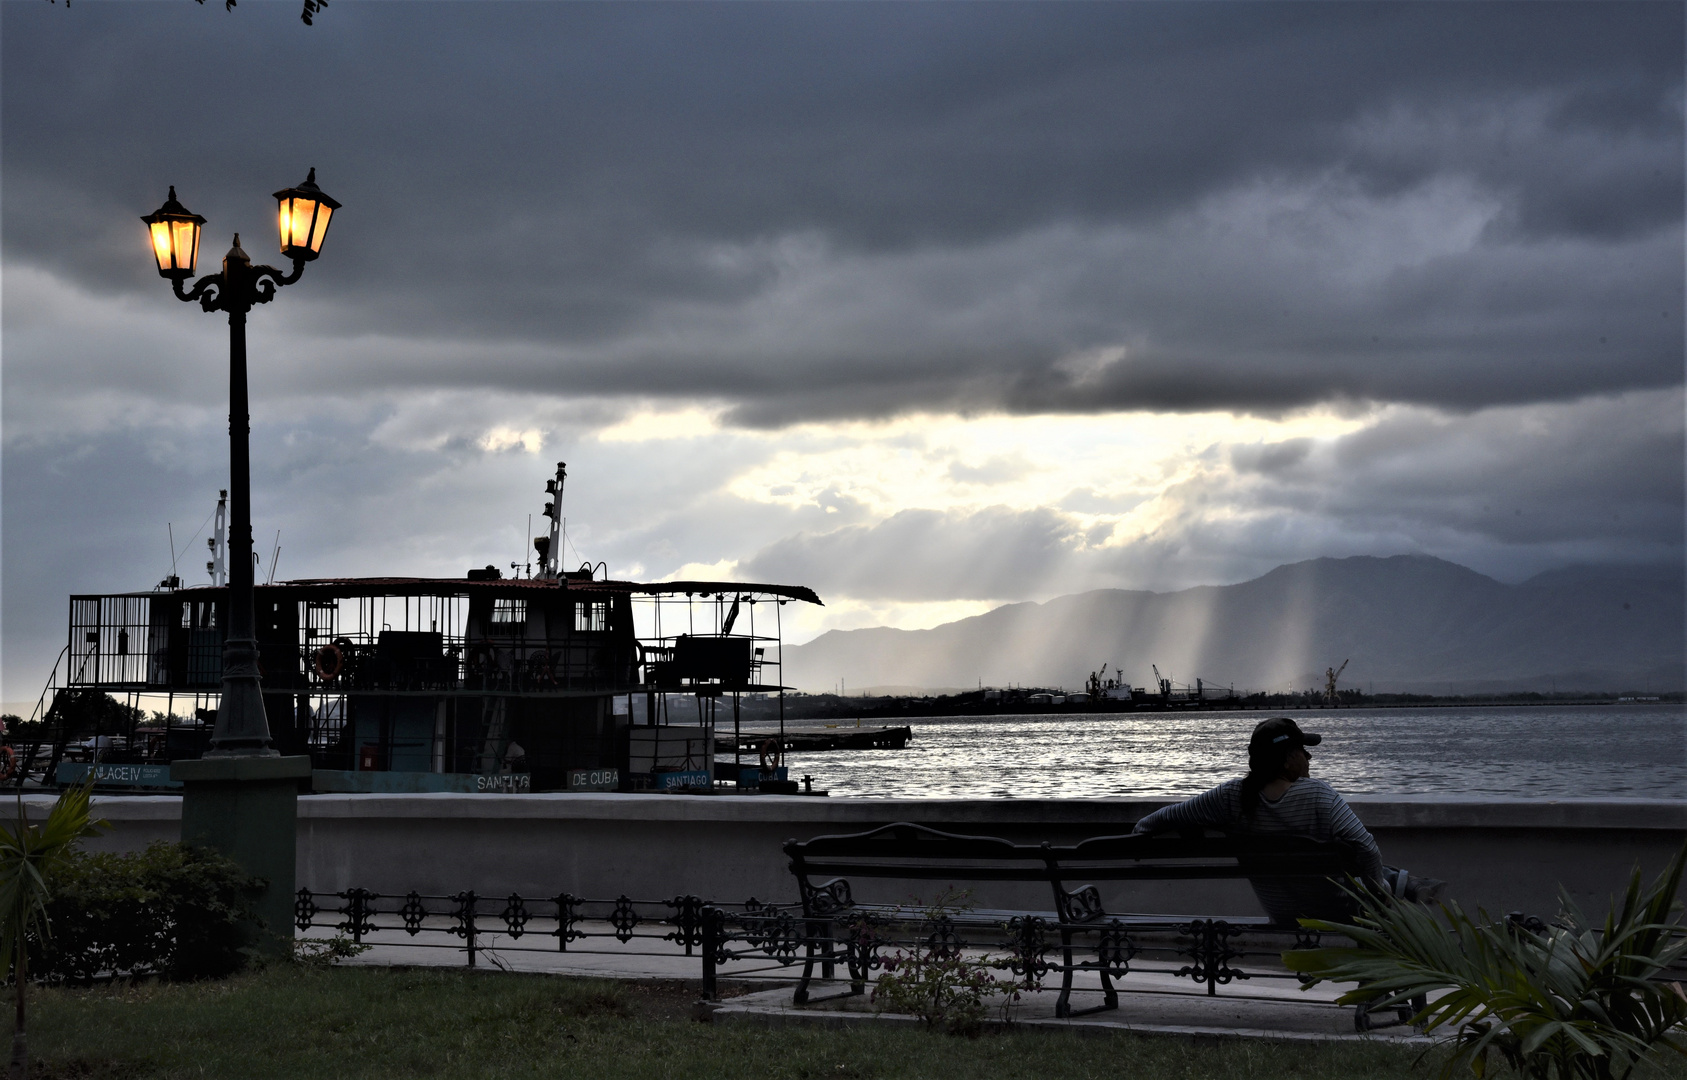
(1408,623)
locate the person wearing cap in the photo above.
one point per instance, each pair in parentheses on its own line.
(1279,797)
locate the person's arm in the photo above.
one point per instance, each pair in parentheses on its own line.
(1345,825)
(1214,809)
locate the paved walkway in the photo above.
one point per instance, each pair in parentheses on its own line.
(1263,1008)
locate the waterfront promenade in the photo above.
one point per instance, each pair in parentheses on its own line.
(1501,854)
(759,992)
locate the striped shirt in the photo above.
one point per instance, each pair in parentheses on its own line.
(1310,808)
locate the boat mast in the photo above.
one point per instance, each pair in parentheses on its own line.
(218,542)
(550,555)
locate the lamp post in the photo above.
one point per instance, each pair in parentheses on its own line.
(241,798)
(303,214)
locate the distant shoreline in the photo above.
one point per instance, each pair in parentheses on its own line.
(893,707)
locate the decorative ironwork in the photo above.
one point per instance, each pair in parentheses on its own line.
(1028,938)
(359,913)
(782,938)
(861,939)
(828,899)
(624,919)
(1211,951)
(688,922)
(864,941)
(464,913)
(942,942)
(756,916)
(567,918)
(1114,948)
(714,939)
(770,928)
(413,913)
(256,285)
(515,915)
(1080,907)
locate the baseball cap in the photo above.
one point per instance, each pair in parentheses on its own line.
(1279,734)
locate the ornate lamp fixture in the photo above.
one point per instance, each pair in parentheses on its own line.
(303,215)
(175,238)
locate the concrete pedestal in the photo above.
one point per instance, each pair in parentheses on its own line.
(247,809)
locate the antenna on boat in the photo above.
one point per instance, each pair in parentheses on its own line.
(550,547)
(274,557)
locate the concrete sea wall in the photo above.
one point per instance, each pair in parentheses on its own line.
(1502,854)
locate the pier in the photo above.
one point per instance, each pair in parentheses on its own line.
(889,738)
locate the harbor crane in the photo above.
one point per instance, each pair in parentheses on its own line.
(1330,677)
(1095,682)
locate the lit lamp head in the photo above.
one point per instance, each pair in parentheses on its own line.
(175,238)
(303,216)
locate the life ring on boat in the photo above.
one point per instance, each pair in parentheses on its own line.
(8,762)
(771,754)
(479,659)
(329,661)
(539,669)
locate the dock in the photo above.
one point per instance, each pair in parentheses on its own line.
(889,738)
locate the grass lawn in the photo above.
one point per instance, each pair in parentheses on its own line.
(385,1023)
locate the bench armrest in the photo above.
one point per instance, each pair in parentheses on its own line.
(829,898)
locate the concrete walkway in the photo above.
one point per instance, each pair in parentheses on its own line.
(1149,1003)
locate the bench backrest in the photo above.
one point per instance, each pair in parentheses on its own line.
(1175,856)
(917,852)
(903,851)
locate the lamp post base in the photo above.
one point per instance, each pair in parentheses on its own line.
(242,728)
(246,808)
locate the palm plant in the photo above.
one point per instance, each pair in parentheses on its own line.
(1568,1001)
(29,854)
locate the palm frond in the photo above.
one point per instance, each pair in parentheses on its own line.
(1564,1002)
(28,856)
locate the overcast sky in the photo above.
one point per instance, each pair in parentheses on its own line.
(928,306)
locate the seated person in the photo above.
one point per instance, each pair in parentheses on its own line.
(1277,797)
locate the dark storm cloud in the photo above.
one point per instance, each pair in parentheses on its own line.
(851,210)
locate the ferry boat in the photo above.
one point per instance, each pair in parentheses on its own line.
(552,680)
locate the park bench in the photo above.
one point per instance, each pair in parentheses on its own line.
(1084,933)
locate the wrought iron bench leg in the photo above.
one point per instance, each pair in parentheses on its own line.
(825,954)
(1366,1018)
(1063,1005)
(801,995)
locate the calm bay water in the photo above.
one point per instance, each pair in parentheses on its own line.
(1631,751)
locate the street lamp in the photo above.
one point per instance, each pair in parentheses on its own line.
(303,214)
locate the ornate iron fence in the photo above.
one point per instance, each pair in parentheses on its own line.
(754,938)
(477,925)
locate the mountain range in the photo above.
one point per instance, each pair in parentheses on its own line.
(1407,623)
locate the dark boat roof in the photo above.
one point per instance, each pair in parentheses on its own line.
(350,587)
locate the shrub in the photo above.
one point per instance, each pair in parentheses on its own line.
(320,953)
(174,911)
(1569,1001)
(936,980)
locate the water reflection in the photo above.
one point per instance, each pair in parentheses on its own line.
(1561,752)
